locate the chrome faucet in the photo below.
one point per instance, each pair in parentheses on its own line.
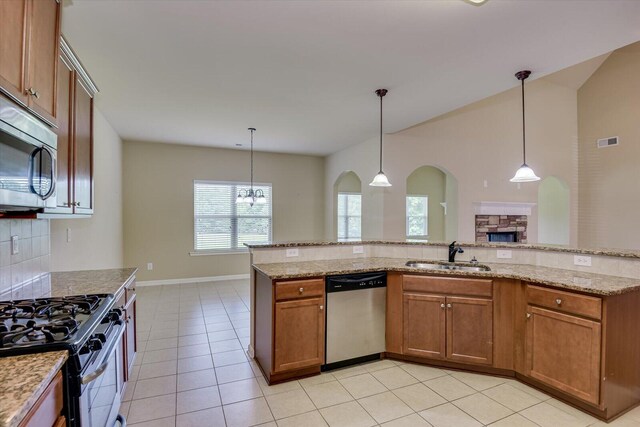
(453,250)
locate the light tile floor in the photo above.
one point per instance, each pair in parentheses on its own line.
(192,370)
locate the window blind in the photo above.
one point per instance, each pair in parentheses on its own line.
(349,216)
(222,225)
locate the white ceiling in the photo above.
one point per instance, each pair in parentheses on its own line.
(303,72)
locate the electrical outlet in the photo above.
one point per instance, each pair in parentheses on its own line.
(15,245)
(68,235)
(503,253)
(358,249)
(292,252)
(582,260)
(149,266)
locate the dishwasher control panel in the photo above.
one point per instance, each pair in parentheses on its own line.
(352,282)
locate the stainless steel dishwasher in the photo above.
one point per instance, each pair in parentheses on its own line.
(355,322)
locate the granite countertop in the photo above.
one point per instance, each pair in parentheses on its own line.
(598,284)
(22,380)
(623,253)
(89,282)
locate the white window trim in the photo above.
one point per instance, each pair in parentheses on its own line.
(239,251)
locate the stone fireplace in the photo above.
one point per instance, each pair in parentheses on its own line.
(501,228)
(502,222)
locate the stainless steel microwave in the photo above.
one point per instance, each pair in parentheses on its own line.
(27,161)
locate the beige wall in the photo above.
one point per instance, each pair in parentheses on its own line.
(431,182)
(96,242)
(609,105)
(158,204)
(479,142)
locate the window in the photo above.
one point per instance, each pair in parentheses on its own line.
(417,216)
(222,225)
(349,216)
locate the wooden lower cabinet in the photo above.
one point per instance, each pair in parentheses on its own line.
(563,351)
(47,411)
(289,327)
(458,329)
(470,330)
(299,334)
(424,325)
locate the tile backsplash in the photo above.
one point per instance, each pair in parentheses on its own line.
(24,275)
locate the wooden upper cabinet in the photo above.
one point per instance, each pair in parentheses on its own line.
(470,330)
(299,334)
(42,57)
(29,34)
(13,32)
(83,149)
(424,325)
(65,153)
(563,351)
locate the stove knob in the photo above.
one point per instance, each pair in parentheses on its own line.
(95,344)
(101,337)
(85,349)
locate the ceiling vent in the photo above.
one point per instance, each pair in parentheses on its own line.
(608,142)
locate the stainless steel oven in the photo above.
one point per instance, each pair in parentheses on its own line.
(101,384)
(27,160)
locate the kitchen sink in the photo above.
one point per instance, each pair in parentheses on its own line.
(450,267)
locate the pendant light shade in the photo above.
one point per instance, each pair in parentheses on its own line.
(524,173)
(380,180)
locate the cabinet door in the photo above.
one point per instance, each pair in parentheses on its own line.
(563,351)
(470,330)
(83,150)
(424,325)
(65,152)
(299,334)
(13,24)
(42,59)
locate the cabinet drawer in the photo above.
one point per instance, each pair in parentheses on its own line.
(299,289)
(581,305)
(447,285)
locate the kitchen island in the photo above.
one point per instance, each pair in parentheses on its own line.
(568,332)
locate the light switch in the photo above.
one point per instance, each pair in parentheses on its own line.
(503,253)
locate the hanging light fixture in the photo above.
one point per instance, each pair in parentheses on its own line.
(380,180)
(249,195)
(524,173)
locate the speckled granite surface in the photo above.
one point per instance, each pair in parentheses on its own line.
(598,284)
(89,282)
(624,253)
(22,380)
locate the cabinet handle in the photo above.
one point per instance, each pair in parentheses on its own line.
(449,306)
(441,305)
(321,307)
(558,301)
(301,290)
(528,315)
(31,91)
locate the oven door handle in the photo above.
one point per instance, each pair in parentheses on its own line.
(103,366)
(122,420)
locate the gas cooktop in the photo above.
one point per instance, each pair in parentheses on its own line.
(47,323)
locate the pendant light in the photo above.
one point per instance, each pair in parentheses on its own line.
(250,196)
(380,180)
(524,173)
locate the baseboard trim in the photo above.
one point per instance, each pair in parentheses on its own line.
(192,280)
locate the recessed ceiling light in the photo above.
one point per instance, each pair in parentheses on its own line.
(238,145)
(476,2)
